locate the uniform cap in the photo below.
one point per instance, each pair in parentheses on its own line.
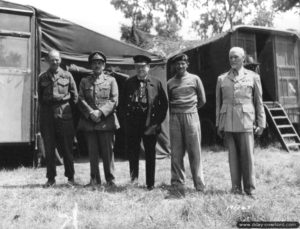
(141,59)
(180,57)
(97,56)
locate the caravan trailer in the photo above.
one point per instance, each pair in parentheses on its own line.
(277,51)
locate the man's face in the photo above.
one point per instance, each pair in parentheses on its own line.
(54,61)
(236,59)
(181,66)
(142,70)
(98,66)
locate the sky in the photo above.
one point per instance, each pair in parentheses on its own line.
(101,16)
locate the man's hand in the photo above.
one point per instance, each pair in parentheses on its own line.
(220,133)
(258,130)
(96,115)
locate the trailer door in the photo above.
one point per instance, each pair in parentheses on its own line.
(288,74)
(16,73)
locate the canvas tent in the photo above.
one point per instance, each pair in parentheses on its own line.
(75,43)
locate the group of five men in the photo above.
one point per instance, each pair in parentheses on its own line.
(143,107)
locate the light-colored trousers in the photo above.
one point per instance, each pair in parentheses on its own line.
(185,134)
(241,160)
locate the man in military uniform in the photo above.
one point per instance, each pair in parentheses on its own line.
(143,107)
(56,92)
(98,99)
(186,96)
(239,112)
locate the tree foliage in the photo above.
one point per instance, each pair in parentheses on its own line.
(219,13)
(163,16)
(285,5)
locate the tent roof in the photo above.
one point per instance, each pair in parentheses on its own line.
(237,28)
(76,42)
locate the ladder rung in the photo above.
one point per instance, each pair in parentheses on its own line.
(279,117)
(284,126)
(275,109)
(289,135)
(293,144)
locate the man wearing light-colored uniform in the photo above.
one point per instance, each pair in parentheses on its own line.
(239,112)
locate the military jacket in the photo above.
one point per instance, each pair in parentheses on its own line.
(98,94)
(55,91)
(239,105)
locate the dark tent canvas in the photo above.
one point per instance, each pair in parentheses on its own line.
(75,44)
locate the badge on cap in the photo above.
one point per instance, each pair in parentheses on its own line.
(97,56)
(141,59)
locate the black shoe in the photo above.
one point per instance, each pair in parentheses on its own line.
(111,184)
(237,191)
(134,181)
(251,195)
(49,183)
(150,187)
(93,183)
(71,182)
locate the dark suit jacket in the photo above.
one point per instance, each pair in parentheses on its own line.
(157,104)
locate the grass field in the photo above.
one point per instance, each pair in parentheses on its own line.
(25,204)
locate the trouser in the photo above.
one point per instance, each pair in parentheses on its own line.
(101,142)
(185,135)
(241,160)
(135,134)
(58,133)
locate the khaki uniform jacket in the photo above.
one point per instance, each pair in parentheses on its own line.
(102,94)
(55,92)
(239,105)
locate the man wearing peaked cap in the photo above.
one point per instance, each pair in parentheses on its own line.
(97,56)
(98,99)
(143,106)
(141,59)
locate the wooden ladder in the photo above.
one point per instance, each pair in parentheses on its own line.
(285,130)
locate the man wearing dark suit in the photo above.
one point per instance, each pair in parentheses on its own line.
(143,107)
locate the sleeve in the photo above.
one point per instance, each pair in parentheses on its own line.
(163,103)
(258,103)
(82,104)
(73,90)
(218,100)
(200,93)
(112,103)
(40,92)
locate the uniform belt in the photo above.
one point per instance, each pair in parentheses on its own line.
(55,103)
(246,101)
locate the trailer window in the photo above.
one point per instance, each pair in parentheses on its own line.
(14,22)
(14,52)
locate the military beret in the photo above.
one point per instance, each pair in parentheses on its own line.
(141,59)
(97,56)
(249,61)
(180,57)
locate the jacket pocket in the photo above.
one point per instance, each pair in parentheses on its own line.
(248,115)
(63,86)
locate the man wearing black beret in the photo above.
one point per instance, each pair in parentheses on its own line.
(143,106)
(186,96)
